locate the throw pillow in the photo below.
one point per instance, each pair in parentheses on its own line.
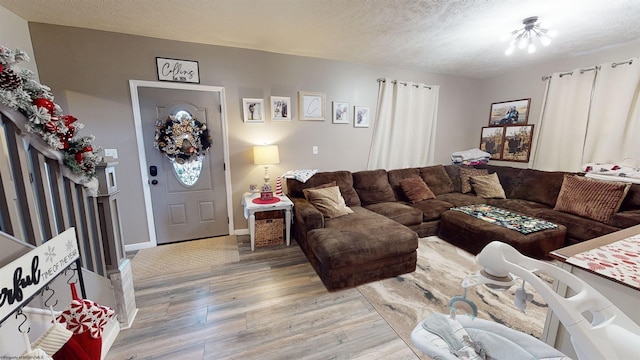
(328,201)
(415,189)
(593,199)
(323,186)
(466,174)
(488,186)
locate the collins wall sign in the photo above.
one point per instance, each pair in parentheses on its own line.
(178,70)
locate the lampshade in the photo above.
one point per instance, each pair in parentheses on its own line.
(266,155)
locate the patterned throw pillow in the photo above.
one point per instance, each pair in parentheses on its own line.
(466,174)
(416,190)
(593,199)
(488,186)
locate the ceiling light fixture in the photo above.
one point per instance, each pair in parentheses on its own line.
(524,37)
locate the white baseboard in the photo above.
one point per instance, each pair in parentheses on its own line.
(146,245)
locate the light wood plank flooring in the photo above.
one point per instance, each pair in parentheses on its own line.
(269,305)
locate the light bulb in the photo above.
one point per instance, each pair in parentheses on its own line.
(552,33)
(523,41)
(531,48)
(509,50)
(545,40)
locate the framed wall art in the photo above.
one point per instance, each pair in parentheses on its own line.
(360,116)
(312,105)
(491,141)
(340,112)
(513,112)
(280,108)
(253,110)
(185,71)
(517,143)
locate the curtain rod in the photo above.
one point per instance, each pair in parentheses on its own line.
(403,83)
(597,67)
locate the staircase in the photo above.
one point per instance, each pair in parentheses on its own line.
(40,199)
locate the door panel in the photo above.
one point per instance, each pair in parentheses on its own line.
(185,212)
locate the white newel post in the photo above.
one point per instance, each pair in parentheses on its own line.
(118,266)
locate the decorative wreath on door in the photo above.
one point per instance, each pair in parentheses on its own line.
(182,138)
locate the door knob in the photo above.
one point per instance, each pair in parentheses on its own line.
(154,182)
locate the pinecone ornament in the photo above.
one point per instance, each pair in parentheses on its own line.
(9,80)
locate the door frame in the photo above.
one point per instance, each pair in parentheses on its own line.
(137,119)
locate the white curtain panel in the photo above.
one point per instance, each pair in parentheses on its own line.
(563,122)
(613,132)
(405,126)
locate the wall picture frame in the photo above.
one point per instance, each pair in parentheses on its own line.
(312,105)
(517,142)
(280,108)
(361,116)
(253,110)
(340,112)
(492,141)
(176,70)
(512,112)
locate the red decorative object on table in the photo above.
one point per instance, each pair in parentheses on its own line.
(262,202)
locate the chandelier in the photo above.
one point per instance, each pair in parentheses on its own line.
(527,36)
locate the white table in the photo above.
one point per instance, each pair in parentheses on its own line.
(250,209)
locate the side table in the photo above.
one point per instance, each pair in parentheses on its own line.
(250,209)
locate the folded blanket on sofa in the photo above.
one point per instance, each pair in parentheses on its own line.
(469,155)
(612,172)
(300,175)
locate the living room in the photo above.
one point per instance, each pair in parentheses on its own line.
(89,72)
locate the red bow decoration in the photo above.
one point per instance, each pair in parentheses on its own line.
(45,103)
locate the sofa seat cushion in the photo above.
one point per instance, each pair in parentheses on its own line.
(458,199)
(360,238)
(625,219)
(518,205)
(578,227)
(432,208)
(396,211)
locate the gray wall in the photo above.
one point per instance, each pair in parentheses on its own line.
(14,34)
(90,80)
(527,82)
(89,73)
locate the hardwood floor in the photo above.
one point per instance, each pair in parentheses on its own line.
(269,305)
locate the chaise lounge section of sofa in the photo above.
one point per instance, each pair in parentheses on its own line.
(379,239)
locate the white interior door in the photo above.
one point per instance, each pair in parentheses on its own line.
(181,210)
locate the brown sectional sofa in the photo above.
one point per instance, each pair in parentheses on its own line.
(379,239)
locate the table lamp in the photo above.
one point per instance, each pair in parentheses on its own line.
(266,155)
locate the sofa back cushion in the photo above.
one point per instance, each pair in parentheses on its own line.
(509,179)
(632,200)
(343,179)
(538,186)
(395,176)
(373,187)
(437,179)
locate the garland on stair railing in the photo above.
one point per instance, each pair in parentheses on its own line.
(20,91)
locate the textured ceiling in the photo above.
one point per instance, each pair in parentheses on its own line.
(459,37)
